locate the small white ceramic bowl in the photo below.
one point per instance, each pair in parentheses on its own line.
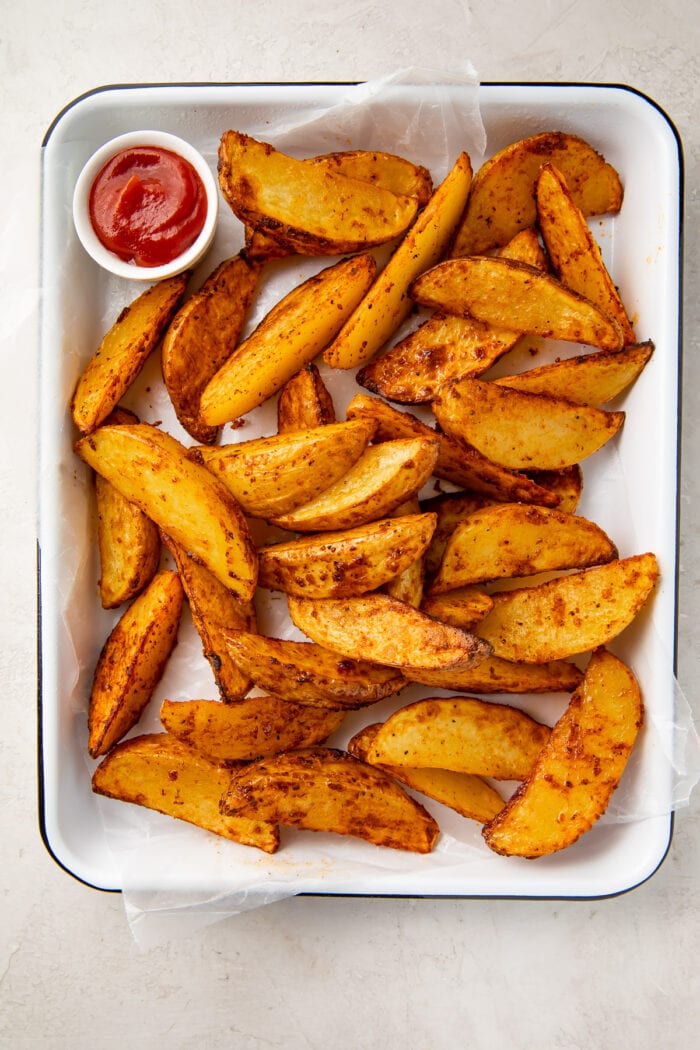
(81,214)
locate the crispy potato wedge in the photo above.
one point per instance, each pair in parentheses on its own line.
(293,332)
(566,483)
(308,207)
(347,563)
(212,607)
(513,539)
(387,303)
(202,336)
(512,294)
(446,347)
(569,614)
(324,789)
(449,508)
(407,585)
(586,379)
(162,773)
(496,675)
(123,352)
(304,402)
(382,630)
(127,540)
(463,734)
(272,476)
(309,674)
(383,477)
(249,728)
(579,768)
(152,469)
(573,250)
(468,795)
(462,607)
(523,431)
(502,198)
(132,661)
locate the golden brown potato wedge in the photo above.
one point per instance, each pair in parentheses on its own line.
(496,675)
(462,607)
(468,795)
(407,585)
(586,379)
(566,483)
(324,789)
(272,476)
(213,607)
(123,352)
(569,614)
(309,208)
(502,199)
(383,477)
(463,734)
(294,331)
(152,469)
(202,336)
(387,303)
(513,539)
(161,773)
(579,768)
(449,508)
(391,172)
(347,563)
(310,674)
(382,630)
(573,250)
(304,402)
(249,728)
(523,431)
(132,661)
(514,295)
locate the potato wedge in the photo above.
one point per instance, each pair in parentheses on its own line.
(391,172)
(579,768)
(502,198)
(463,734)
(272,476)
(152,469)
(586,379)
(162,773)
(569,614)
(304,402)
(496,675)
(212,607)
(566,483)
(573,250)
(513,539)
(310,674)
(449,508)
(462,607)
(249,728)
(523,431)
(347,563)
(383,477)
(407,585)
(514,295)
(123,352)
(311,209)
(202,336)
(468,795)
(294,331)
(387,303)
(324,789)
(382,630)
(132,662)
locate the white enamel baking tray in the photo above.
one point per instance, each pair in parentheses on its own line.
(630,489)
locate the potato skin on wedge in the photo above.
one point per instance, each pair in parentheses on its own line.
(161,773)
(132,661)
(304,401)
(324,789)
(496,675)
(579,767)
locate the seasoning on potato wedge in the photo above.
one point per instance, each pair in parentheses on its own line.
(408,584)
(462,607)
(304,401)
(579,767)
(162,773)
(324,789)
(132,661)
(496,675)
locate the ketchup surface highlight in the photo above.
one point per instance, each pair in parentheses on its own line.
(147,205)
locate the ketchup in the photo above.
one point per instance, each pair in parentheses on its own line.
(147,205)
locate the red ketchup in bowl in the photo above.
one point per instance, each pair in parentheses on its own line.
(147,205)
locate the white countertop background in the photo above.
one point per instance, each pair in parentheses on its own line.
(312,973)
